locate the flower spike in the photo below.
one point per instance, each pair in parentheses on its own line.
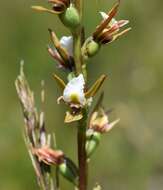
(71,53)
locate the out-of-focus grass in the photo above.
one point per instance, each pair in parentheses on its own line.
(131,156)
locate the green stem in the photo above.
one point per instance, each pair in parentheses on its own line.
(77,34)
(77,51)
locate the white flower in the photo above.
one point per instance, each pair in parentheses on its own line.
(74,91)
(67,43)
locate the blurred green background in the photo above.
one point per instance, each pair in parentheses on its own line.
(130,156)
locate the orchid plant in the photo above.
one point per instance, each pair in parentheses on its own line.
(72,54)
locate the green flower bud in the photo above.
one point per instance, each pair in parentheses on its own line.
(92,48)
(69,170)
(92,143)
(70,17)
(70,76)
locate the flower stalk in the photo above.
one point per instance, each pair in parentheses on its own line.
(77,51)
(81,136)
(71,53)
(82,155)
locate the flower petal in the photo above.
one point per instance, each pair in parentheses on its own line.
(67,43)
(74,91)
(104,15)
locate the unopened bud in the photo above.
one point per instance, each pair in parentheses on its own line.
(91,48)
(92,143)
(70,17)
(69,170)
(70,76)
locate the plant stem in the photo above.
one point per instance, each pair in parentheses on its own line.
(81,136)
(82,156)
(77,51)
(79,6)
(77,39)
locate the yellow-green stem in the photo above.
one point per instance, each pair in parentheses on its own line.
(77,34)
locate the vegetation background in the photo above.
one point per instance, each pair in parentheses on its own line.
(131,155)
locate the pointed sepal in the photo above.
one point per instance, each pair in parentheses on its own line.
(95,87)
(106,21)
(59,81)
(62,51)
(43,9)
